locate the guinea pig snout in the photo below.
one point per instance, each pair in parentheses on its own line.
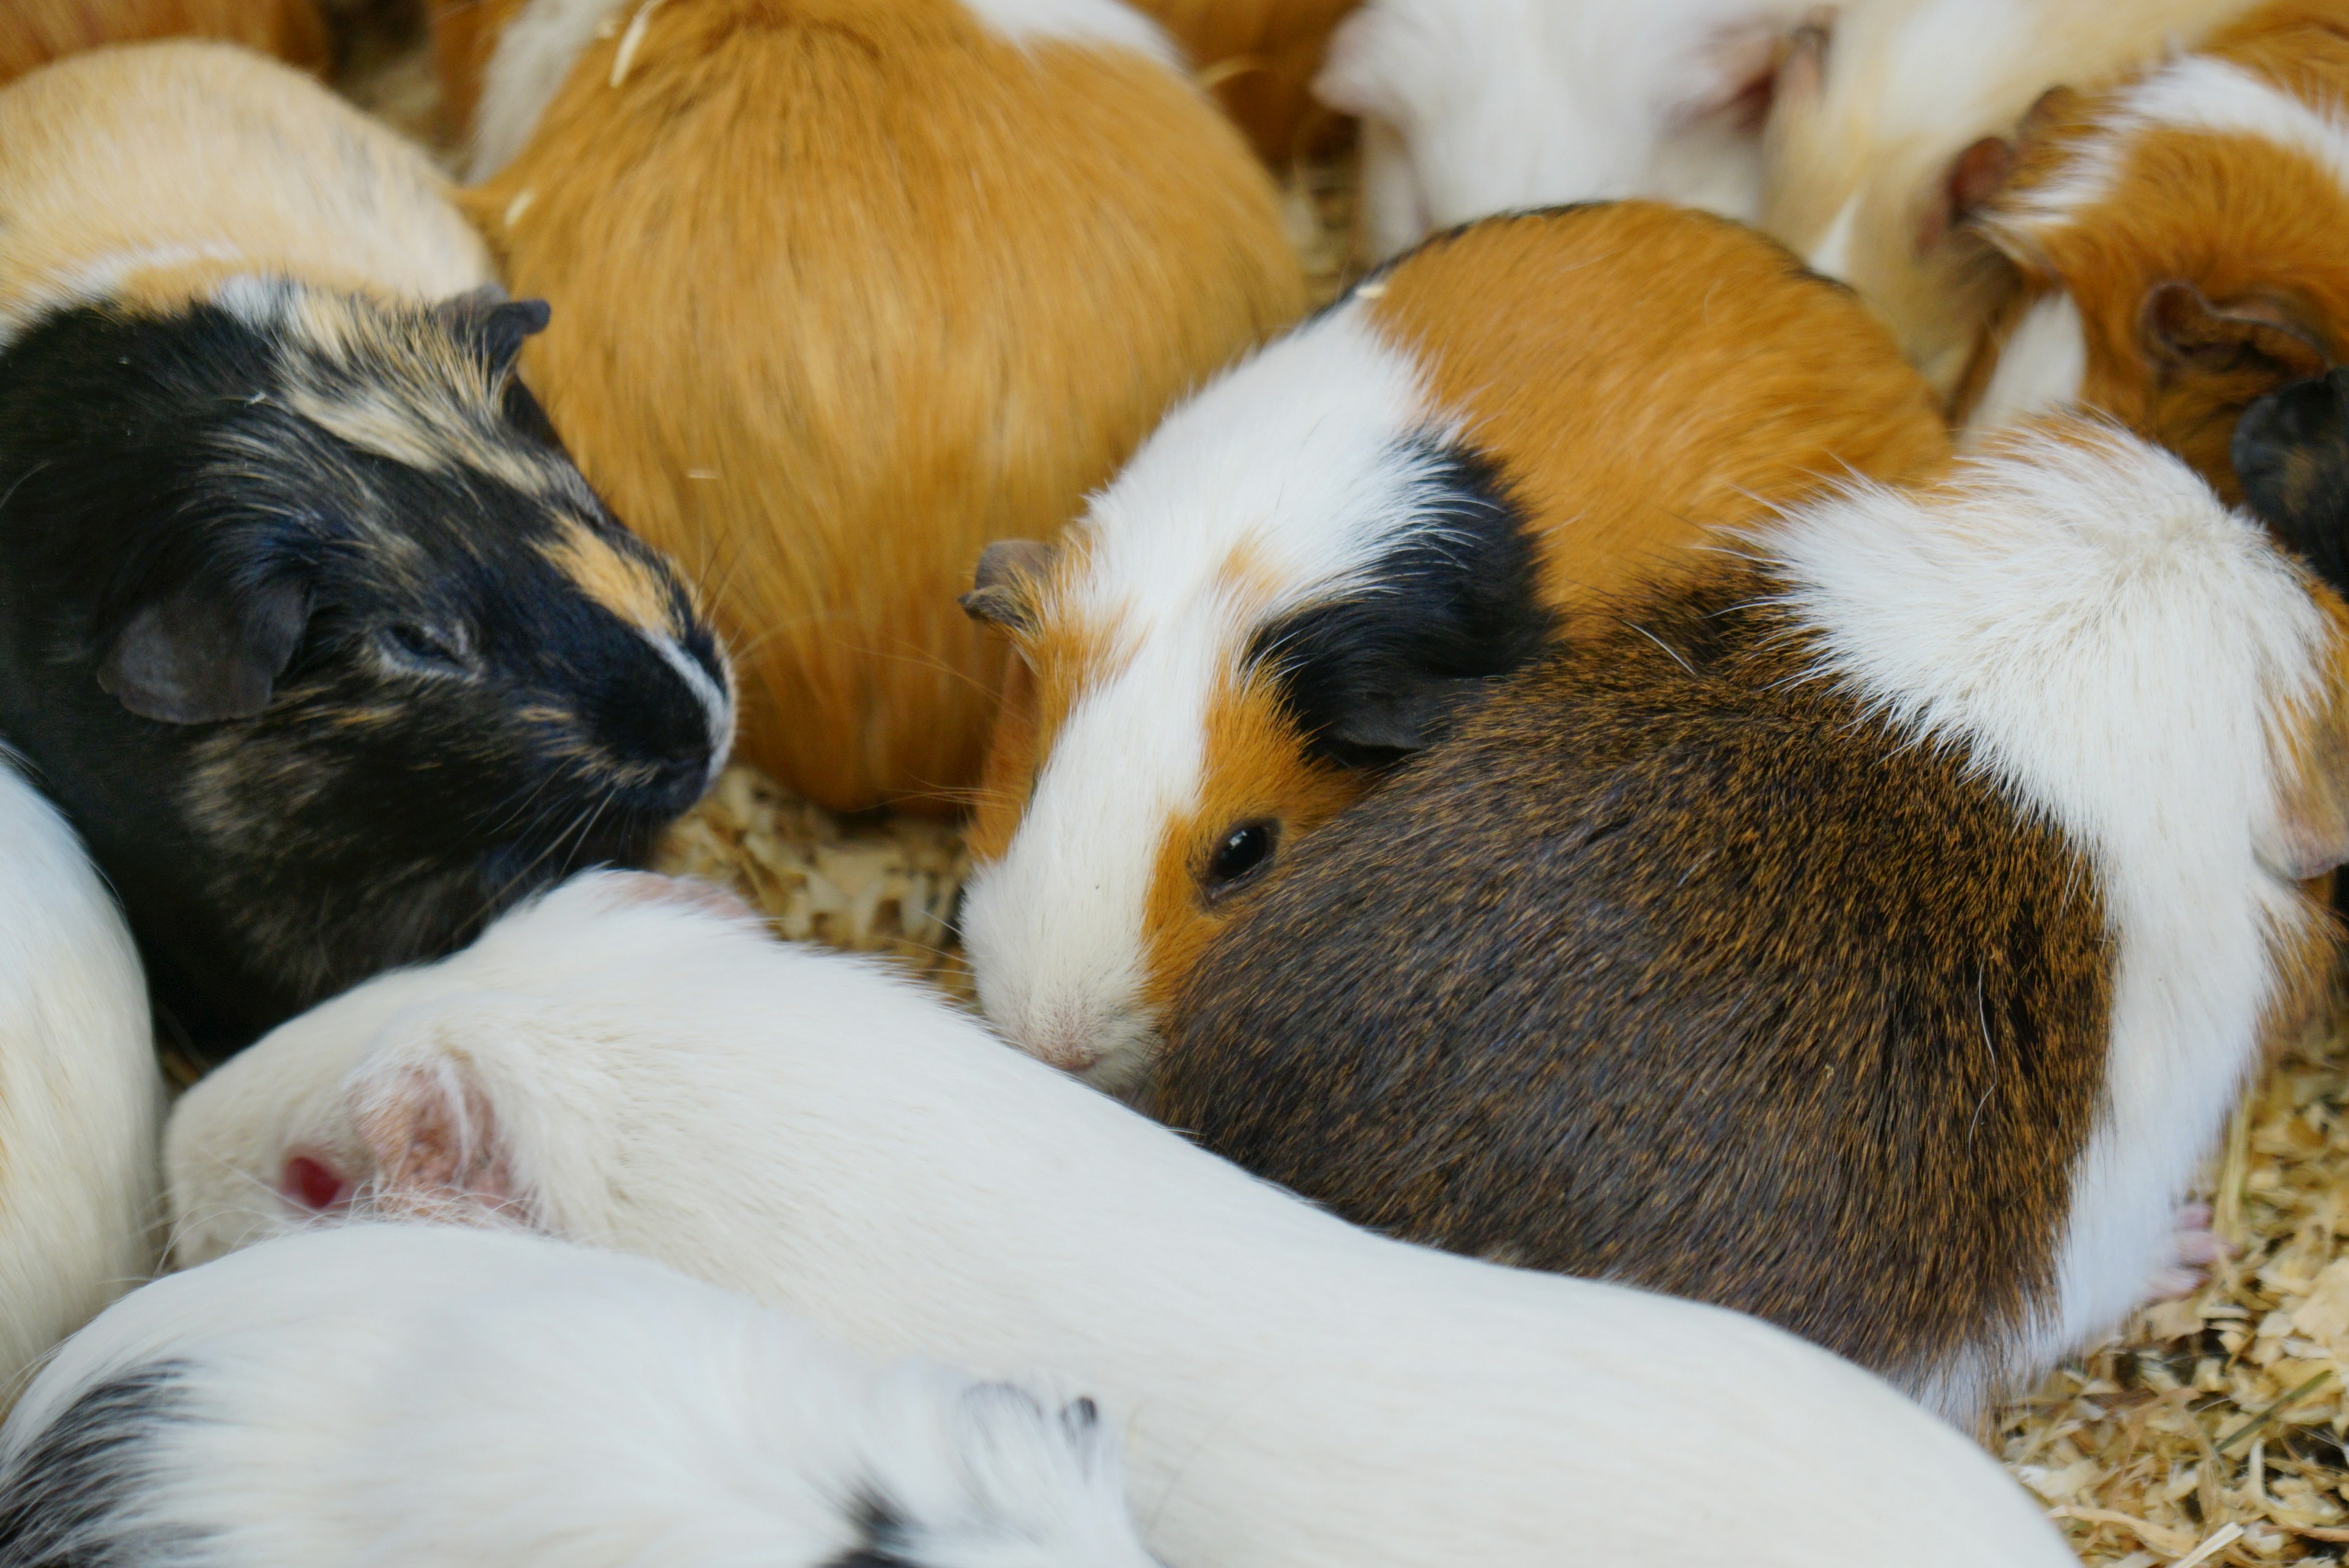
(675,721)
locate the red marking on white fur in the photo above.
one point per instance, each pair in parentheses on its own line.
(311,1183)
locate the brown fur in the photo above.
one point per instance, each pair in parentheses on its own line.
(844,291)
(464,35)
(1259,59)
(34,32)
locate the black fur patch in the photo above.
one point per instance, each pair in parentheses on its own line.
(60,1500)
(2291,454)
(1379,674)
(882,1537)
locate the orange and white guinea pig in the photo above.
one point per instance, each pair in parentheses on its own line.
(34,32)
(2183,240)
(1887,128)
(845,289)
(1314,561)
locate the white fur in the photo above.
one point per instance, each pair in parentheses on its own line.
(1290,463)
(2125,655)
(80,1100)
(1477,106)
(406,1394)
(809,1130)
(542,45)
(2040,368)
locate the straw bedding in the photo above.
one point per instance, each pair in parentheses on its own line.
(2213,1430)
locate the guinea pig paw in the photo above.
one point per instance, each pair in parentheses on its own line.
(2194,1247)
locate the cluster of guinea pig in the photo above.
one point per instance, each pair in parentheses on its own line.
(1671,827)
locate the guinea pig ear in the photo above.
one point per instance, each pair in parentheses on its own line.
(1407,718)
(1977,175)
(2291,451)
(202,653)
(495,325)
(1003,593)
(432,1133)
(2254,338)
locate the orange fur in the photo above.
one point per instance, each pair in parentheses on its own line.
(845,289)
(464,35)
(34,32)
(1259,57)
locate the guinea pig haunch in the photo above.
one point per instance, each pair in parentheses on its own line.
(1871,936)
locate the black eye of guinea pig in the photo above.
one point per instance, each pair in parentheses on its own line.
(312,626)
(1238,856)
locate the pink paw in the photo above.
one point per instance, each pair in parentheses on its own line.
(2194,1248)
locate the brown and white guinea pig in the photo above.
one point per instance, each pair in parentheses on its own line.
(1872,933)
(80,1100)
(1258,58)
(845,289)
(1314,558)
(2183,240)
(1889,122)
(306,620)
(627,1062)
(34,32)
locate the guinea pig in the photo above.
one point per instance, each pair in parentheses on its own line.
(34,32)
(1872,933)
(899,277)
(2290,454)
(306,620)
(1475,107)
(623,1060)
(2182,238)
(1315,558)
(81,1103)
(1258,58)
(1892,122)
(409,1395)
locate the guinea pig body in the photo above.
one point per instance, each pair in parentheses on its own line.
(413,1393)
(34,32)
(80,1099)
(1258,58)
(1873,936)
(306,620)
(618,1061)
(1316,557)
(951,262)
(2180,239)
(1884,134)
(1477,106)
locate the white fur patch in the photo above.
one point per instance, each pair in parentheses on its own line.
(2121,652)
(1293,461)
(1101,24)
(534,56)
(2040,368)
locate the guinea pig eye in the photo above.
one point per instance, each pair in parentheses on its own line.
(1241,853)
(414,644)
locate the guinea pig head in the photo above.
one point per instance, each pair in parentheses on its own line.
(322,641)
(1281,597)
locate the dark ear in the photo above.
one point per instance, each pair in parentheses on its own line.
(1405,718)
(1003,593)
(2291,453)
(494,325)
(203,654)
(1977,175)
(2250,337)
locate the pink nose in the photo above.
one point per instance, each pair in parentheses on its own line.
(1067,1048)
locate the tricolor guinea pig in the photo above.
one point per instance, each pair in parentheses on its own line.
(34,32)
(2182,240)
(628,1061)
(306,620)
(845,289)
(1320,555)
(1872,933)
(1475,107)
(405,1395)
(1892,121)
(80,1100)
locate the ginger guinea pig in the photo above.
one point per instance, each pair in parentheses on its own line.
(1890,124)
(1872,933)
(624,1060)
(34,32)
(845,289)
(80,1099)
(1315,557)
(306,620)
(2183,240)
(411,1395)
(1475,107)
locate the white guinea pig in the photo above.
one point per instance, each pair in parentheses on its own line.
(80,1099)
(623,1062)
(410,1395)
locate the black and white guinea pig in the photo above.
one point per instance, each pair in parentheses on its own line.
(1872,935)
(306,619)
(405,1395)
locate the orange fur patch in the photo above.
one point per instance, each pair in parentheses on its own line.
(620,582)
(34,32)
(1063,659)
(465,36)
(1259,59)
(890,288)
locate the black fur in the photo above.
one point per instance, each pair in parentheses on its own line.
(1379,674)
(2291,454)
(60,1499)
(450,722)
